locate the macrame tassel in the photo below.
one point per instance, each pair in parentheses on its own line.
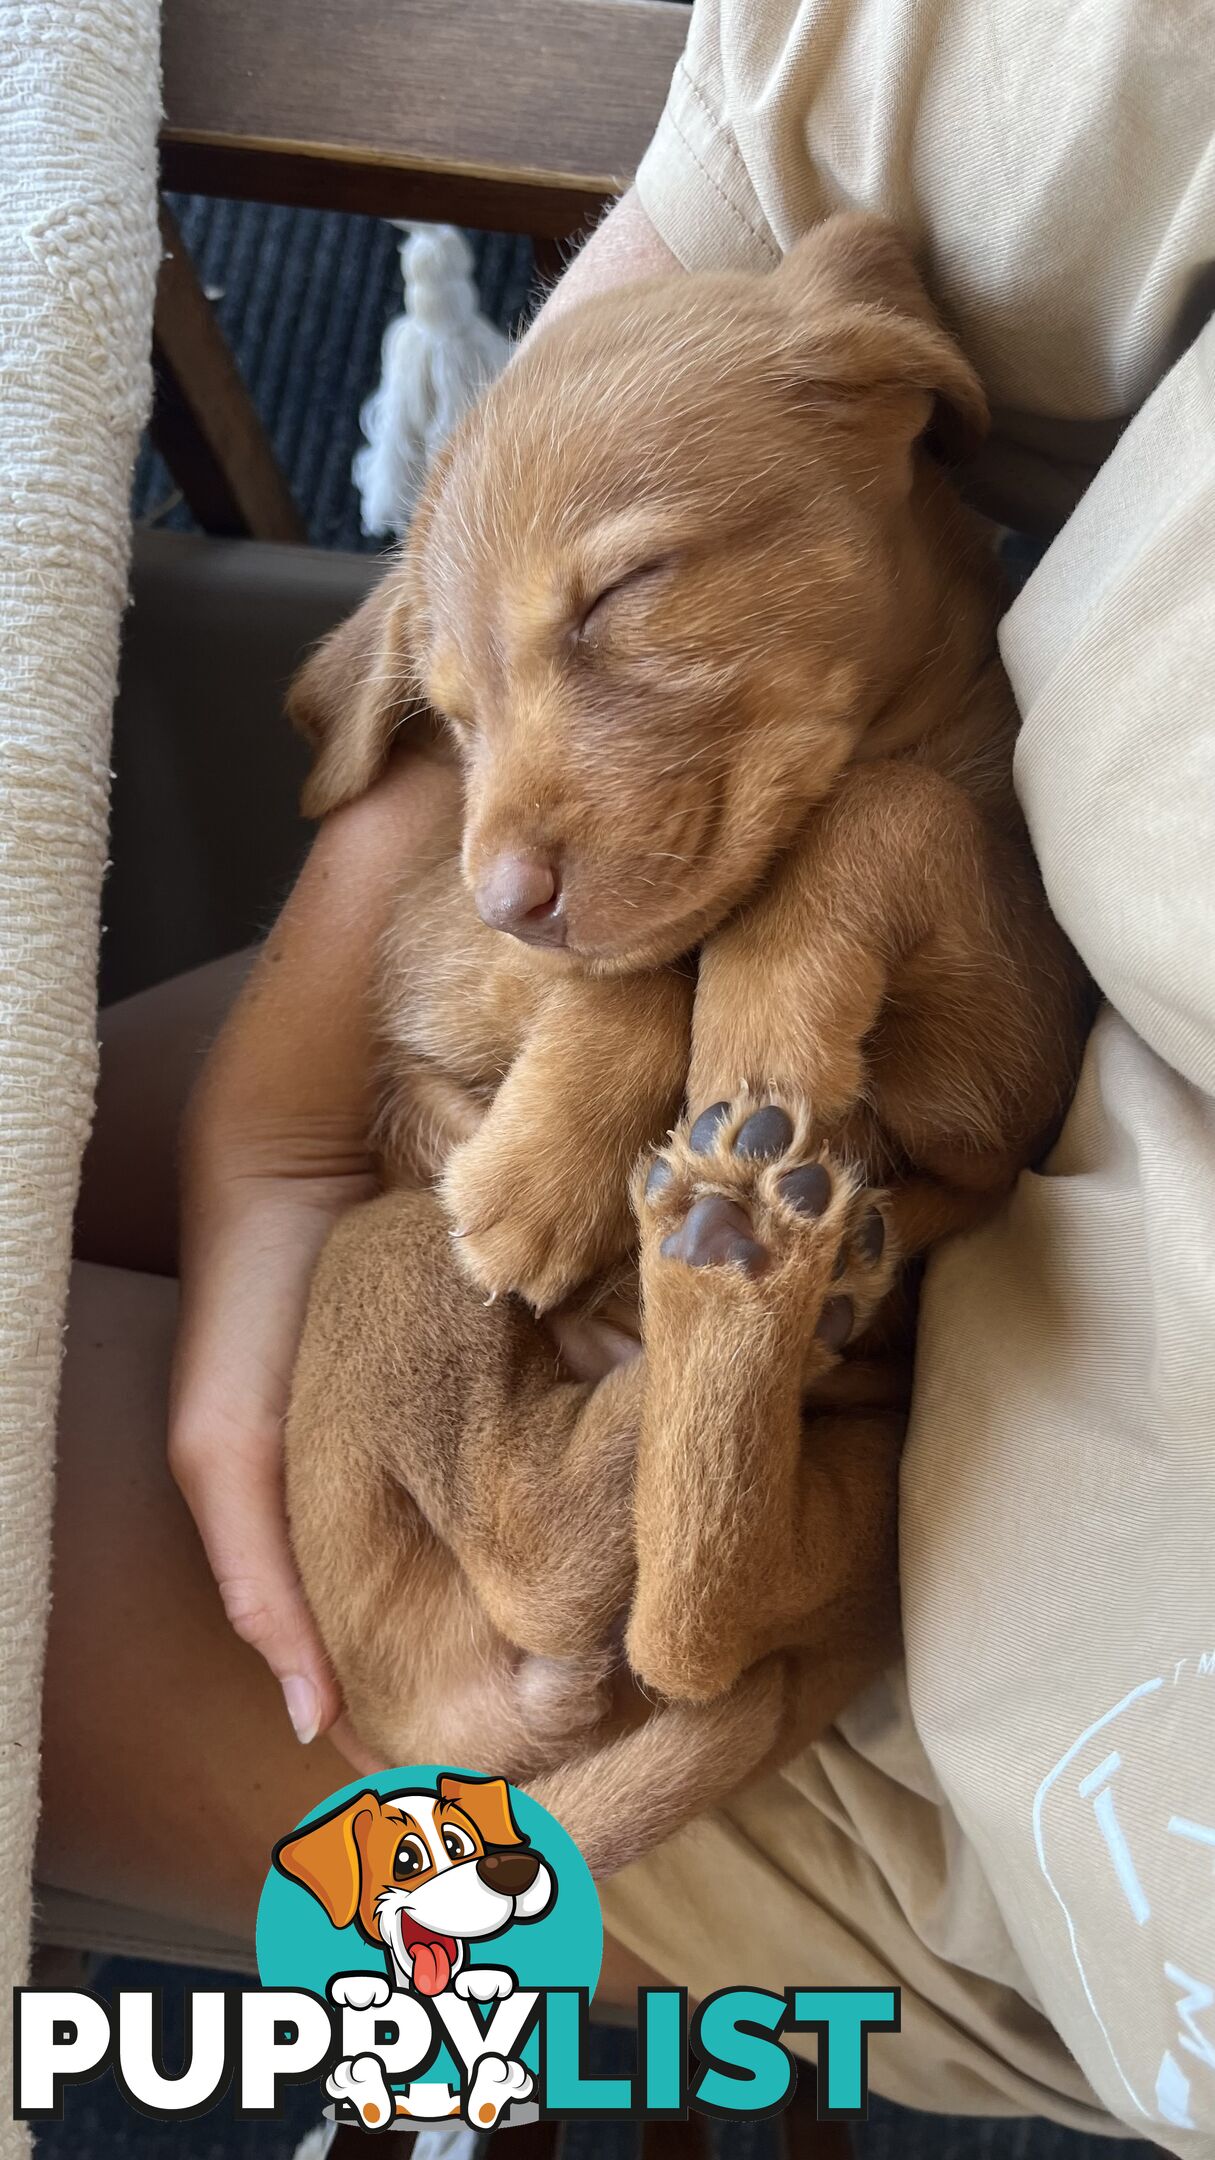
(436,358)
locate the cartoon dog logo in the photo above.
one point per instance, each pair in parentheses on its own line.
(423,1874)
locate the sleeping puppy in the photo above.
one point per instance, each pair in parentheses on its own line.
(729,988)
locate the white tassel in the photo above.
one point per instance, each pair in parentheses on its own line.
(436,359)
(446,2145)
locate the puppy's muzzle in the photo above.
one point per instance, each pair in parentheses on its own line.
(522,895)
(510,1872)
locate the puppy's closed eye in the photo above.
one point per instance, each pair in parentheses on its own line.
(631,582)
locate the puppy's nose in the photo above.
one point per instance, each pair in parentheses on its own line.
(522,894)
(510,1872)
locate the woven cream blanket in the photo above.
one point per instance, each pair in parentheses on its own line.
(79,101)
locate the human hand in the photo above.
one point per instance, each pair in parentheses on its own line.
(274,1149)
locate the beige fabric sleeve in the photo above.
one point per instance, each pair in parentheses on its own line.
(1059,1483)
(1054,167)
(693,181)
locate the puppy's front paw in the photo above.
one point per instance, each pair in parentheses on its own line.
(496,2083)
(535,1210)
(766,1221)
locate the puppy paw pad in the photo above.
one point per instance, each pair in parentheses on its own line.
(703,1131)
(835,1323)
(745,1189)
(870,1241)
(660,1176)
(808,1190)
(716,1232)
(863,1249)
(764,1135)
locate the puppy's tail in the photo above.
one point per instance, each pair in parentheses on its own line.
(688,1757)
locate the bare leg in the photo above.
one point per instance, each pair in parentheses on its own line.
(169,1766)
(151,1046)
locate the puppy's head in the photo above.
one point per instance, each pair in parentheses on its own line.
(422,1872)
(651,587)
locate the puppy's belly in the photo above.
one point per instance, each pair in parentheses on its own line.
(597,1330)
(482,1703)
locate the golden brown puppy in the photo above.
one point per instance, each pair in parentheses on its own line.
(716,642)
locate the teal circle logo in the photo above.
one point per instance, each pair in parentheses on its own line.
(426,1906)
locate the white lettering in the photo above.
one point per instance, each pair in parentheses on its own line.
(203,2074)
(284,2034)
(62,2034)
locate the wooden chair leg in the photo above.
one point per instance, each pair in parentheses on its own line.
(204,423)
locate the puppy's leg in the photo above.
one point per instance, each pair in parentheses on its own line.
(761,1255)
(619,1800)
(903,975)
(453,1501)
(539,1196)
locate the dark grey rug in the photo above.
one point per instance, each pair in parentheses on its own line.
(304,298)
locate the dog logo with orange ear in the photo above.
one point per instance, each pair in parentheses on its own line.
(381,1933)
(422,1874)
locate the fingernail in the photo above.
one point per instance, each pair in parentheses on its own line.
(303,1707)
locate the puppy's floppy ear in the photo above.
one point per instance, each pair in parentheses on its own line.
(326,1857)
(352,694)
(486,1801)
(861,321)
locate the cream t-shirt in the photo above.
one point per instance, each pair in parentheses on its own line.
(1054,165)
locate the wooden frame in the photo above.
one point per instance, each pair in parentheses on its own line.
(203,420)
(514,115)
